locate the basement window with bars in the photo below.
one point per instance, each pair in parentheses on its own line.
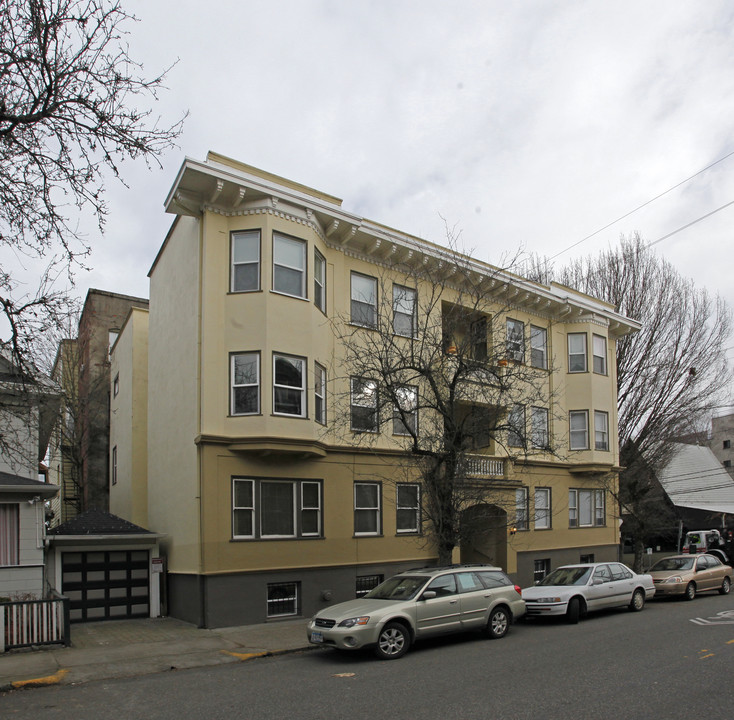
(282,599)
(365,583)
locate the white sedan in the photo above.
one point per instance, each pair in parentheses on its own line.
(573,590)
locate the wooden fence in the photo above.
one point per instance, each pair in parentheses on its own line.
(34,622)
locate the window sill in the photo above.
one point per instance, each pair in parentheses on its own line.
(243,292)
(295,297)
(362,536)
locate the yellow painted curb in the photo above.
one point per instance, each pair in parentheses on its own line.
(245,656)
(37,682)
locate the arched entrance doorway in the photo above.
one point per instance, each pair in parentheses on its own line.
(484,535)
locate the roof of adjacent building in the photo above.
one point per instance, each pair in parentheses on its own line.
(98,522)
(17,483)
(694,478)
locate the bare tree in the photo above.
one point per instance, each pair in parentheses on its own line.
(73,106)
(670,375)
(429,359)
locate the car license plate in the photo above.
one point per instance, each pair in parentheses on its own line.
(317,637)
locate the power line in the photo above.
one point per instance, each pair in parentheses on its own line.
(703,217)
(645,204)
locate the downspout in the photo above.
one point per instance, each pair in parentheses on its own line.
(200,575)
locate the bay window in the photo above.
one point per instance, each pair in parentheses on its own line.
(245,261)
(245,384)
(576,352)
(289,265)
(289,385)
(367,508)
(579,429)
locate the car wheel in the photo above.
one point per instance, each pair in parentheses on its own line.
(393,642)
(499,622)
(573,612)
(690,591)
(725,586)
(638,601)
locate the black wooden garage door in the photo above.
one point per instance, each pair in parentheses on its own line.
(107,585)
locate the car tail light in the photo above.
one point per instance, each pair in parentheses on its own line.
(518,590)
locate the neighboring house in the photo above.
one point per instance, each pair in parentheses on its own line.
(27,413)
(271,505)
(79,453)
(722,441)
(699,487)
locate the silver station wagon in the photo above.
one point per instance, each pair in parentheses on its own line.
(418,604)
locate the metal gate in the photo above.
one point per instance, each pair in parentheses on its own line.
(106,585)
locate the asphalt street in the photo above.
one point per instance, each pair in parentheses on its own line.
(672,660)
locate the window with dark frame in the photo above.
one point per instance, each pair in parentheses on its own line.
(363,306)
(538,347)
(363,405)
(516,426)
(515,340)
(282,599)
(9,534)
(116,385)
(114,465)
(542,508)
(404,301)
(601,430)
(319,281)
(367,508)
(245,261)
(478,334)
(319,394)
(726,445)
(275,508)
(408,508)
(539,428)
(541,568)
(578,421)
(522,510)
(365,583)
(289,265)
(405,411)
(245,384)
(586,508)
(599,351)
(289,385)
(588,558)
(576,352)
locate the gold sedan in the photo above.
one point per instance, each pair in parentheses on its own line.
(688,575)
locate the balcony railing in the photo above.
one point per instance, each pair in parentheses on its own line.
(483,466)
(34,622)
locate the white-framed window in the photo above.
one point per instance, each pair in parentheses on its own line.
(516,426)
(405,412)
(289,265)
(599,352)
(116,385)
(576,352)
(113,473)
(289,385)
(283,599)
(538,347)
(245,261)
(9,534)
(586,508)
(404,302)
(363,405)
(265,508)
(578,423)
(364,300)
(367,508)
(319,394)
(521,509)
(515,340)
(542,508)
(408,507)
(539,427)
(319,281)
(601,430)
(245,383)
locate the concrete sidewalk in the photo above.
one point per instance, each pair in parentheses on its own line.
(125,648)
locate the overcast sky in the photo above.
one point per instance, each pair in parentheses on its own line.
(524,124)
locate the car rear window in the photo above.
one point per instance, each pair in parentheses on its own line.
(493,578)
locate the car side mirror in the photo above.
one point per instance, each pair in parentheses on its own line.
(597,581)
(428,595)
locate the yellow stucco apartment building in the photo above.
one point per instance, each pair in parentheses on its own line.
(241,431)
